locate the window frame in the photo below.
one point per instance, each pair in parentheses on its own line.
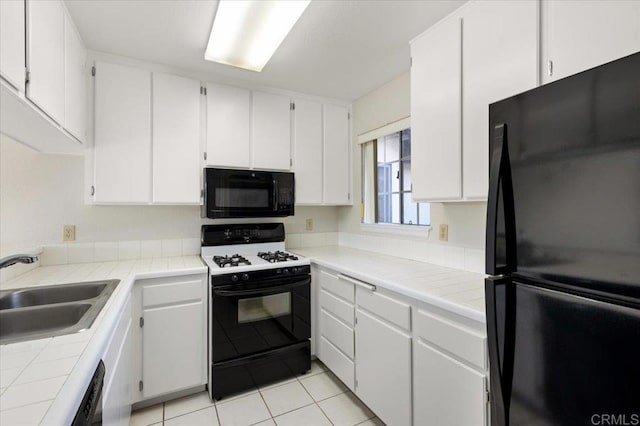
(389,227)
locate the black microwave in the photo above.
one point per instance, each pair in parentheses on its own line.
(247,193)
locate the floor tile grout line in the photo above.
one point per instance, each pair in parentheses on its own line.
(215,404)
(265,404)
(316,402)
(366,420)
(295,409)
(325,414)
(185,414)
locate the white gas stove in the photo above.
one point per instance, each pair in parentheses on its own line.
(240,258)
(259,307)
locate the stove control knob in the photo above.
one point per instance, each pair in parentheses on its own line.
(234,278)
(294,270)
(245,277)
(285,271)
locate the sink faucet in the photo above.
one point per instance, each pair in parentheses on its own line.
(17,258)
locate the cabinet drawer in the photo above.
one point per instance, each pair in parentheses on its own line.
(337,307)
(335,285)
(395,312)
(171,293)
(338,363)
(337,333)
(467,344)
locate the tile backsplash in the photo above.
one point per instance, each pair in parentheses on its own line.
(60,254)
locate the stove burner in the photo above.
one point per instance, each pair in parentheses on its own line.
(278,256)
(229,261)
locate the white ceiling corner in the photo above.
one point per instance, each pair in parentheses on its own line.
(338,49)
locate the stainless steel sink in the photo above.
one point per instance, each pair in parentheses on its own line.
(38,312)
(54,294)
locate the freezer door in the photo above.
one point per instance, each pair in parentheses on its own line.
(560,359)
(565,175)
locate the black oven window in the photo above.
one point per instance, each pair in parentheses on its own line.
(264,307)
(242,198)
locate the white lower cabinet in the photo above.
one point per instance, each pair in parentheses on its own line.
(383,369)
(335,314)
(446,391)
(173,339)
(409,362)
(116,397)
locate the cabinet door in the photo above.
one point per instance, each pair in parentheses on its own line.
(12,60)
(583,34)
(75,86)
(500,48)
(336,174)
(446,391)
(176,139)
(436,113)
(271,131)
(307,128)
(383,370)
(116,403)
(228,112)
(172,348)
(46,57)
(122,134)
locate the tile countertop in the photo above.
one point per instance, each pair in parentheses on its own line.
(42,381)
(455,290)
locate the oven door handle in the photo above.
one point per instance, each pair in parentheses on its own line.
(262,291)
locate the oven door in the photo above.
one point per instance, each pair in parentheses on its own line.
(256,317)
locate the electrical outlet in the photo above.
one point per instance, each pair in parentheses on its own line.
(443,235)
(68,233)
(309,225)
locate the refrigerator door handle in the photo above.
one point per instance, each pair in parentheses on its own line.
(500,176)
(500,368)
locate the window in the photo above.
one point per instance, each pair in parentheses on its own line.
(386,177)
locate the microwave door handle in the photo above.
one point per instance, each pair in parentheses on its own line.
(275,195)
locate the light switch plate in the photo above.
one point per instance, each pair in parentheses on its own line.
(309,224)
(443,234)
(68,233)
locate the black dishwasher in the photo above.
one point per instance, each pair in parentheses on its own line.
(91,399)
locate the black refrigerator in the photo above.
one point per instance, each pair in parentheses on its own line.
(563,251)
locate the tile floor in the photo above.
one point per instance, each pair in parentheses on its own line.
(317,398)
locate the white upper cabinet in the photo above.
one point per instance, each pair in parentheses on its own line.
(583,34)
(483,52)
(176,139)
(500,52)
(46,57)
(122,134)
(336,154)
(271,131)
(436,113)
(12,42)
(228,126)
(307,128)
(75,85)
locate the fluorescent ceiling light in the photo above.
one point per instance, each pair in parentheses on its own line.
(246,34)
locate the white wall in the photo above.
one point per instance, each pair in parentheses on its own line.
(389,103)
(41,192)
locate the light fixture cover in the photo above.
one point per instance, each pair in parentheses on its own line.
(246,33)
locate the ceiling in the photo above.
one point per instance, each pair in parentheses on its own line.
(338,49)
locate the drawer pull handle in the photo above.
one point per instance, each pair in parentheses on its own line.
(359,283)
